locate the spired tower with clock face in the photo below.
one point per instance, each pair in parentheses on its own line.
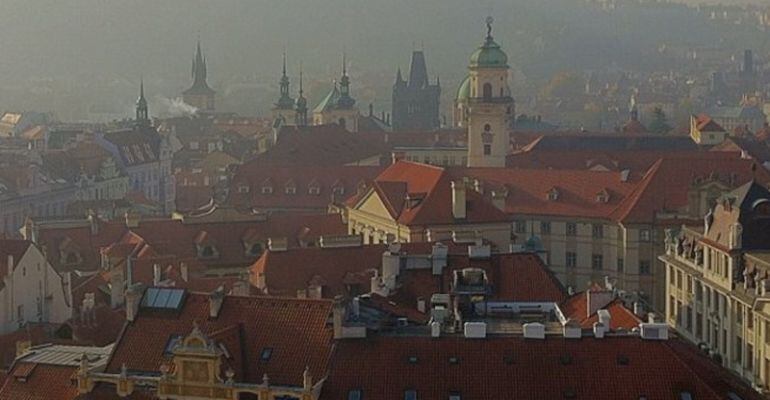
(490,107)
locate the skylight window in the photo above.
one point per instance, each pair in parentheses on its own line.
(455,396)
(412,360)
(410,394)
(267,352)
(355,394)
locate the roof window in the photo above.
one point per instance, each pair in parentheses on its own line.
(267,352)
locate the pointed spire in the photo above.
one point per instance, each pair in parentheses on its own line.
(301,91)
(344,64)
(284,63)
(142,113)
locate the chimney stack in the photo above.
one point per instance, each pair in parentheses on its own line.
(216,298)
(597,299)
(10,265)
(133,297)
(458,200)
(92,221)
(183,270)
(156,275)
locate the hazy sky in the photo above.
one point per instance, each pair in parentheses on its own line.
(92,44)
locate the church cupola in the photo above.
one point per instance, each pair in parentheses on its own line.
(142,112)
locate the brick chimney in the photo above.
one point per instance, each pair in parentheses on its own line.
(216,298)
(133,297)
(459,207)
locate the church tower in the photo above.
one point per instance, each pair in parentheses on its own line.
(142,111)
(300,116)
(338,107)
(283,109)
(199,95)
(490,105)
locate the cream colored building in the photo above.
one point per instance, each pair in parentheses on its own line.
(718,283)
(490,107)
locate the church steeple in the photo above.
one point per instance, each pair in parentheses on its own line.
(199,95)
(301,105)
(345,100)
(199,69)
(285,102)
(142,113)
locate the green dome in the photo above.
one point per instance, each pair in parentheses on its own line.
(464,91)
(489,55)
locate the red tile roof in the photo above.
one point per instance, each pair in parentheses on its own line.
(665,185)
(32,381)
(505,368)
(314,187)
(296,330)
(430,188)
(576,308)
(704,123)
(577,191)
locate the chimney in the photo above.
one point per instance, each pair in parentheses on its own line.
(391,265)
(338,317)
(216,298)
(156,275)
(307,379)
(439,255)
(534,330)
(10,265)
(599,330)
(133,297)
(435,329)
(356,307)
(132,220)
(604,318)
(638,309)
(184,271)
(117,290)
(458,200)
(597,299)
(421,305)
(92,221)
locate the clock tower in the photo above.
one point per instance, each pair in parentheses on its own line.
(490,107)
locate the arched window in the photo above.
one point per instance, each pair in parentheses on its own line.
(487,90)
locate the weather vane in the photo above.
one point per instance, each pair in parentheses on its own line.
(490,20)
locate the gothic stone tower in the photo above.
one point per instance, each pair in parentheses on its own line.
(416,102)
(490,105)
(199,95)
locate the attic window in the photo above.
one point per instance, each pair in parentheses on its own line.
(291,190)
(410,394)
(455,396)
(622,359)
(267,190)
(454,360)
(685,395)
(508,360)
(173,340)
(243,189)
(314,190)
(207,252)
(267,352)
(602,197)
(565,359)
(553,195)
(412,360)
(339,190)
(355,394)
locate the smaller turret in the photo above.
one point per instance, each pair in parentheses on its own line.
(142,113)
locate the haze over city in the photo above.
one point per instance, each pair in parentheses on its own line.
(384,199)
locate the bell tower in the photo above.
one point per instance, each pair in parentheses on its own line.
(490,105)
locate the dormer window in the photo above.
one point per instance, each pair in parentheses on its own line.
(267,190)
(314,190)
(339,190)
(603,196)
(553,194)
(243,188)
(355,394)
(290,190)
(207,252)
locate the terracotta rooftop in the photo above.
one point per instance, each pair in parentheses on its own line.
(295,330)
(504,368)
